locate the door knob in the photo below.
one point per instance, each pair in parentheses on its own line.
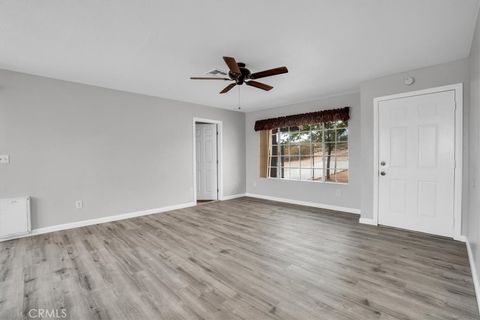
(383,173)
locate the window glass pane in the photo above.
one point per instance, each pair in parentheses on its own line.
(317,149)
(305,149)
(342,175)
(329,135)
(330,175)
(293,129)
(306,174)
(285,161)
(295,173)
(274,131)
(316,126)
(306,162)
(318,162)
(282,148)
(284,137)
(318,174)
(305,127)
(273,161)
(341,124)
(329,163)
(274,150)
(284,129)
(274,138)
(273,172)
(342,149)
(294,150)
(294,161)
(281,172)
(342,162)
(342,134)
(317,136)
(329,149)
(329,125)
(299,137)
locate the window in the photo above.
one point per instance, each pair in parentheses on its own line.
(310,152)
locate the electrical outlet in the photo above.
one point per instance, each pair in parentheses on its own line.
(79,204)
(4,159)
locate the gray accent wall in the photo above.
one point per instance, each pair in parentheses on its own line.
(429,77)
(332,194)
(472,207)
(118,152)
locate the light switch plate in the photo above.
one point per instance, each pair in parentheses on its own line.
(4,159)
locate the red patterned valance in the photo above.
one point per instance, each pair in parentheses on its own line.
(304,119)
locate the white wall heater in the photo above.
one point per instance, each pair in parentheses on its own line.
(14,217)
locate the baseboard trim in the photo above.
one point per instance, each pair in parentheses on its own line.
(304,203)
(460,238)
(473,269)
(233,196)
(368,221)
(90,222)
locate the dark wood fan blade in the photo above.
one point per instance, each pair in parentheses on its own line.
(232,64)
(268,73)
(228,88)
(259,85)
(209,78)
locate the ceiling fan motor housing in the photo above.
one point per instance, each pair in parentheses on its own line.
(244,74)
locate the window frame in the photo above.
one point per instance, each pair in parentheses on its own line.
(324,130)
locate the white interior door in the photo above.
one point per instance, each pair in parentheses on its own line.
(206,161)
(417,162)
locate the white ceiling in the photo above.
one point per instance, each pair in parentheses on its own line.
(152,47)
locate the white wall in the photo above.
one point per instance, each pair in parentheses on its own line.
(472,207)
(118,152)
(321,193)
(434,76)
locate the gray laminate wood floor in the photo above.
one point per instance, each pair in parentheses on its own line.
(237,259)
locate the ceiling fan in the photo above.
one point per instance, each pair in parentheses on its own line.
(240,75)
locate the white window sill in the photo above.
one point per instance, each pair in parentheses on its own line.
(308,181)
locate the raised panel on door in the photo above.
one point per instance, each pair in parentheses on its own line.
(416,157)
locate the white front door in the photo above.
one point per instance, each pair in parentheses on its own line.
(206,161)
(417,162)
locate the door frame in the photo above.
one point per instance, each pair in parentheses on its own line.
(219,157)
(458,91)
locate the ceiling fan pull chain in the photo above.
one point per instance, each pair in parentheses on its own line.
(239,106)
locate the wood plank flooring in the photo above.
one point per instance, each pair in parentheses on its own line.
(239,259)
